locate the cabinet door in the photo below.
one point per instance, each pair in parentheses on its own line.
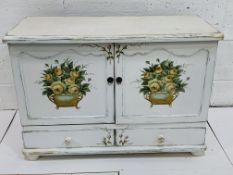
(64,84)
(164,82)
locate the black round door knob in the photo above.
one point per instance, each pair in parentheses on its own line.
(110,80)
(118,80)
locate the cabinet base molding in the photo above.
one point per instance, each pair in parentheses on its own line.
(34,154)
(198,153)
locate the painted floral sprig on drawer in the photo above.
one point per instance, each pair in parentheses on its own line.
(162,82)
(64,83)
(107,140)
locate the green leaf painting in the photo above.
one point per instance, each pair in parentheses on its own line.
(161,82)
(65,83)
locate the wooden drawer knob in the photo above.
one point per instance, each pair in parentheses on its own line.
(68,140)
(161,139)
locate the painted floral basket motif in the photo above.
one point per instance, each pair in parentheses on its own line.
(64,83)
(161,83)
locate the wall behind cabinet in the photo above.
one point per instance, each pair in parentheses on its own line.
(217,12)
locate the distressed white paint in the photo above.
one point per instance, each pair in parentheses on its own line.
(28,62)
(161,137)
(112,29)
(113,126)
(190,106)
(88,139)
(198,59)
(213,11)
(67,139)
(33,154)
(217,12)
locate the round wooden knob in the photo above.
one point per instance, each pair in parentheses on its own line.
(161,139)
(68,140)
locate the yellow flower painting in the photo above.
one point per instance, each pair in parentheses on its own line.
(161,82)
(65,83)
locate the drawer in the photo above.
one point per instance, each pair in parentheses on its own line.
(68,138)
(160,136)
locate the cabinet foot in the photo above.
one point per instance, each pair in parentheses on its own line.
(29,156)
(198,153)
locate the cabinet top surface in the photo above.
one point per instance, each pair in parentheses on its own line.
(112,29)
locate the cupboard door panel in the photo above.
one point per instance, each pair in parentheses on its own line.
(164,82)
(64,84)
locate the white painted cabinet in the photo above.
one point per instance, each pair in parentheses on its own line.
(110,85)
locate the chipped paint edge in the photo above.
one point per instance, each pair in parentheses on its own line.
(216,36)
(34,154)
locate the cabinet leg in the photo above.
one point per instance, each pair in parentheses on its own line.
(29,156)
(198,153)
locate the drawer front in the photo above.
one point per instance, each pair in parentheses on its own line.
(63,84)
(160,137)
(68,139)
